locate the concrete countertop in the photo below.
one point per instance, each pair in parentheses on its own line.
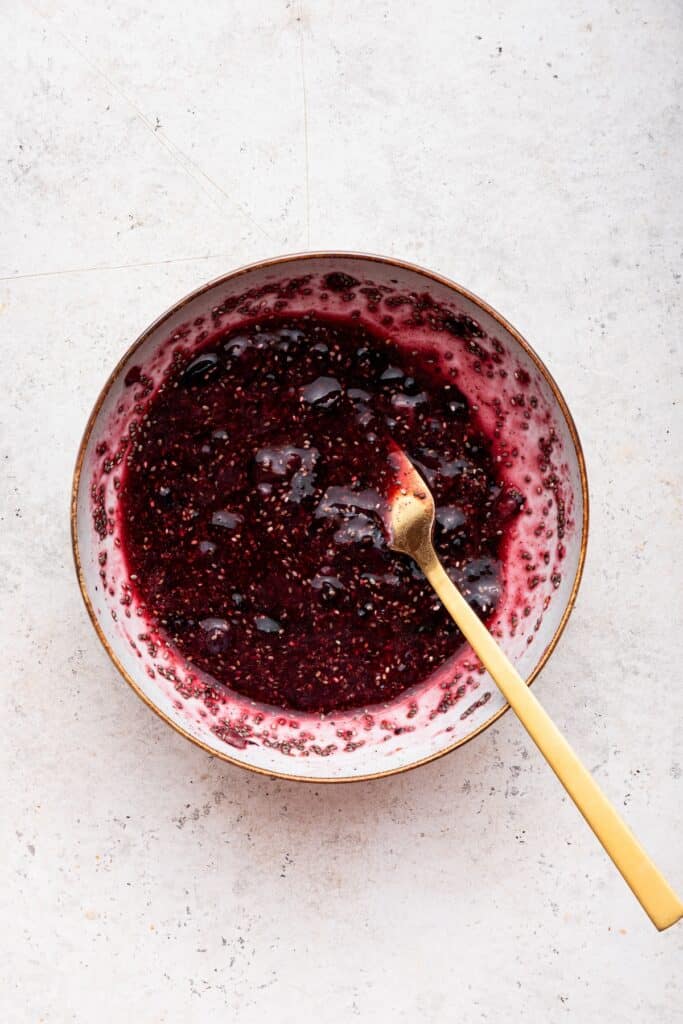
(531,152)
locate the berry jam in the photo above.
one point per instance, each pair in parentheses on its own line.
(252,512)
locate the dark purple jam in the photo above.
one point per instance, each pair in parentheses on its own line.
(251,514)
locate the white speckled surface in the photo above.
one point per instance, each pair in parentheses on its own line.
(532,153)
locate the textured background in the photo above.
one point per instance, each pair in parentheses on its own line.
(532,152)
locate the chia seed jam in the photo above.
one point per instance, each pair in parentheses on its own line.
(251,499)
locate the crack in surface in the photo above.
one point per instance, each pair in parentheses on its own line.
(119,266)
(181,158)
(300,19)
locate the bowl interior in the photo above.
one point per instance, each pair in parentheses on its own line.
(537,450)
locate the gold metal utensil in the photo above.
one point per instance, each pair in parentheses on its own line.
(411,523)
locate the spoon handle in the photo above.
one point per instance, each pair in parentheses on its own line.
(649,886)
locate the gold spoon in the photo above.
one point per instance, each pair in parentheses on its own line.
(410,524)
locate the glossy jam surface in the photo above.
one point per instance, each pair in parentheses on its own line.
(251,511)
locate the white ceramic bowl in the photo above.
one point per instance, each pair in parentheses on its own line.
(499,373)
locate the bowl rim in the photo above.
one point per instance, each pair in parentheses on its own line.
(275,262)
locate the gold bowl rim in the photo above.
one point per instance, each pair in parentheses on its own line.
(275,262)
